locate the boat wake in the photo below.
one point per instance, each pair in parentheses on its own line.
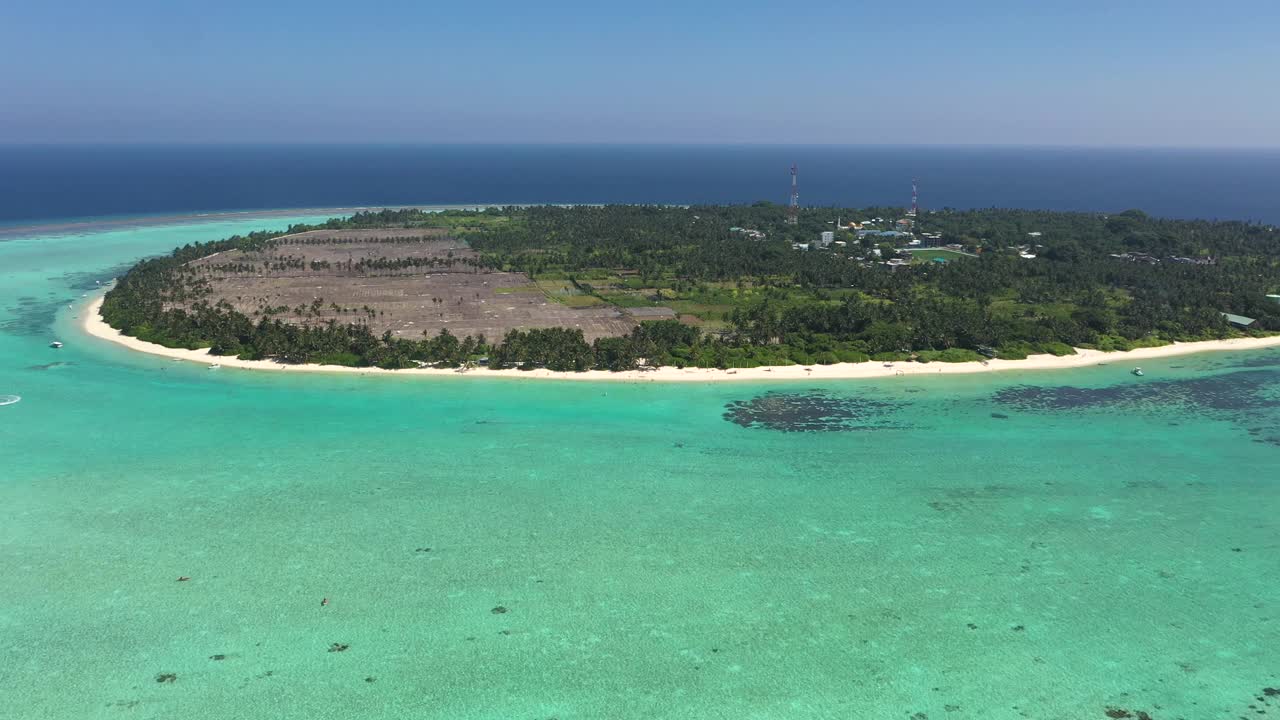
(9,399)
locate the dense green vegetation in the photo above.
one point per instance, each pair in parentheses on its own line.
(761,302)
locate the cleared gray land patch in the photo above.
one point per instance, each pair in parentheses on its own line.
(413,280)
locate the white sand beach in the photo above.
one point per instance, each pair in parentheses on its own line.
(95,326)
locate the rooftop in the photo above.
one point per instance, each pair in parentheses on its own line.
(1240,320)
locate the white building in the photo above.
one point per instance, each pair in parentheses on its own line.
(827,237)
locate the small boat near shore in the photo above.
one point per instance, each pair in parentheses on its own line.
(1138,371)
(55,344)
(215,366)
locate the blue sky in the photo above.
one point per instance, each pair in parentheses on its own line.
(1124,72)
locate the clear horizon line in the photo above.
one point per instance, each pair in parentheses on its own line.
(610,144)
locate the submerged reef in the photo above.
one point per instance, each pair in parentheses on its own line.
(811,411)
(1248,397)
(1244,390)
(1266,359)
(31,316)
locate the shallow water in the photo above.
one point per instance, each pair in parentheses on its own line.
(1032,545)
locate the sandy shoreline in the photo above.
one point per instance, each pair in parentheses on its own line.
(94,325)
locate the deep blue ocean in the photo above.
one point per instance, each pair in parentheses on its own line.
(47,183)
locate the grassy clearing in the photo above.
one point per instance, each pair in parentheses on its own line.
(580,301)
(563,292)
(700,310)
(1015,309)
(556,287)
(628,300)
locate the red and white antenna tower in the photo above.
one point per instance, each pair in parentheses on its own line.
(794,208)
(915,197)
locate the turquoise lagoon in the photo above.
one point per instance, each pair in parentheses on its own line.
(1031,545)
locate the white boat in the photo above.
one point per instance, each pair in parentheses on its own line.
(1137,371)
(55,344)
(214,366)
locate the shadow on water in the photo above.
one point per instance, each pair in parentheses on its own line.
(51,366)
(1247,397)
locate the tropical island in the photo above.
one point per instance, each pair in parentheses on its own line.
(623,288)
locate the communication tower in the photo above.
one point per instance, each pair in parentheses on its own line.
(794,208)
